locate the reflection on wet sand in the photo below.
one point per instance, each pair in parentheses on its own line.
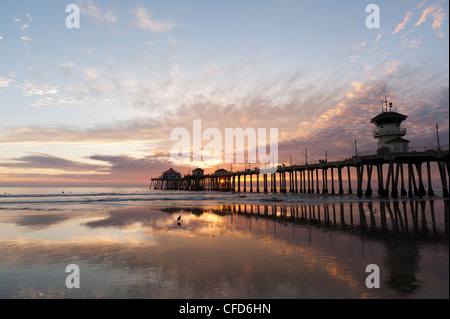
(405,217)
(230,251)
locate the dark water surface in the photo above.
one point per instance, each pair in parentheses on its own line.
(127,243)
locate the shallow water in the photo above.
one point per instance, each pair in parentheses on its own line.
(128,244)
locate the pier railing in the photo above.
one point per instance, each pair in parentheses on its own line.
(428,148)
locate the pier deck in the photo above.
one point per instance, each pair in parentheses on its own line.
(395,173)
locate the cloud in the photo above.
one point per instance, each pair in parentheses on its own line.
(377,39)
(357,88)
(124,168)
(94,13)
(92,74)
(4,83)
(402,25)
(172,41)
(30,88)
(437,14)
(360,46)
(22,26)
(66,68)
(88,51)
(424,15)
(27,16)
(149,131)
(45,161)
(318,110)
(144,22)
(413,44)
(176,71)
(39,221)
(391,66)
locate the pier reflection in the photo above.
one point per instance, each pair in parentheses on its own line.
(264,250)
(411,218)
(404,228)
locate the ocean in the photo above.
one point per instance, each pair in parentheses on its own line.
(153,244)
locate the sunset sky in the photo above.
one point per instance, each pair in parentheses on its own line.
(96,105)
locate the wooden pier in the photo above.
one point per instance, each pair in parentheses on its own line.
(397,168)
(392,174)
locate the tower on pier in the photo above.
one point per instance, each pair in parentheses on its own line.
(389,133)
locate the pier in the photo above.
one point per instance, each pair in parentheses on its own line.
(393,169)
(387,174)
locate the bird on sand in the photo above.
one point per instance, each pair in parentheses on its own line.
(179,218)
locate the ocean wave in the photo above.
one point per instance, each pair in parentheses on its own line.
(114,197)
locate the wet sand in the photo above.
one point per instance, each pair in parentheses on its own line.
(235,251)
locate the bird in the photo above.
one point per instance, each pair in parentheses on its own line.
(179,218)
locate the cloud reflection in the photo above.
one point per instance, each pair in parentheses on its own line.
(305,251)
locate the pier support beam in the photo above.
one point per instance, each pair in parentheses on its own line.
(274,182)
(430,188)
(332,182)
(349,181)
(380,179)
(369,177)
(304,180)
(257,182)
(394,191)
(324,181)
(413,191)
(359,179)
(317,181)
(441,166)
(388,179)
(402,190)
(296,182)
(422,191)
(309,186)
(341,189)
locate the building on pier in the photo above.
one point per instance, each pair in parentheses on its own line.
(170,174)
(389,132)
(198,172)
(170,179)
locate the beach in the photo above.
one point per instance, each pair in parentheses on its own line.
(129,243)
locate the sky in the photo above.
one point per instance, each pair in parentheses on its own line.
(96,105)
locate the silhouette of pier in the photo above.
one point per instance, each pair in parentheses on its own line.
(396,168)
(390,174)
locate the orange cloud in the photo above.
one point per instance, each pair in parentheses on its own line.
(402,25)
(437,14)
(391,67)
